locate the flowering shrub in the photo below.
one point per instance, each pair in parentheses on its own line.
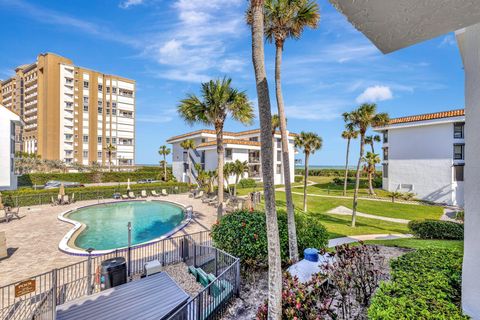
(303,301)
(244,235)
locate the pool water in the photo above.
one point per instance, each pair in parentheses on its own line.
(106,225)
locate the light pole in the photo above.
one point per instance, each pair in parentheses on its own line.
(129,226)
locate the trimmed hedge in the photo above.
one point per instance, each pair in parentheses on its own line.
(90,177)
(436,229)
(244,235)
(247,183)
(29,197)
(426,284)
(332,172)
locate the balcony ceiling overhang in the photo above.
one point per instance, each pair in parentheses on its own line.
(396,24)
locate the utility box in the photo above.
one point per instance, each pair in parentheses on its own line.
(3,245)
(113,272)
(152,267)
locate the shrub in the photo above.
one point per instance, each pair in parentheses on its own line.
(340,181)
(244,235)
(332,172)
(298,179)
(247,183)
(460,216)
(426,284)
(436,229)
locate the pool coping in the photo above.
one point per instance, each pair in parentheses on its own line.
(65,244)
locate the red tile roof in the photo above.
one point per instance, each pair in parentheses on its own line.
(230,141)
(429,116)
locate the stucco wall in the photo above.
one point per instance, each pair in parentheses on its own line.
(7,178)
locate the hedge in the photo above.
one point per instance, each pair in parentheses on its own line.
(90,177)
(426,284)
(436,229)
(243,234)
(29,197)
(332,172)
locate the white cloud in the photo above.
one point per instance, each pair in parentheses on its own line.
(327,109)
(128,3)
(162,116)
(374,94)
(448,40)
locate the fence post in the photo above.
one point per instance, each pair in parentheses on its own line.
(194,255)
(216,262)
(129,252)
(54,294)
(237,281)
(199,306)
(89,271)
(163,253)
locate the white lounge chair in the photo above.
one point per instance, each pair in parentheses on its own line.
(164,193)
(154,193)
(199,195)
(131,195)
(124,197)
(143,194)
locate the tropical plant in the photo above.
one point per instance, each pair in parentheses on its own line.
(206,179)
(109,149)
(371,160)
(362,119)
(227,172)
(349,134)
(188,145)
(309,142)
(219,100)
(255,18)
(238,169)
(164,151)
(287,19)
(395,195)
(371,141)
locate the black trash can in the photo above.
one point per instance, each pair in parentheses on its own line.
(113,272)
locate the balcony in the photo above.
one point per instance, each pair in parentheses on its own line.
(30,88)
(30,111)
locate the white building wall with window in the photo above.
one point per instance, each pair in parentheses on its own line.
(425,157)
(8,121)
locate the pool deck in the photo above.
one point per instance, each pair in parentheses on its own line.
(33,240)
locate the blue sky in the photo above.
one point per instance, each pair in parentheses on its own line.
(170,47)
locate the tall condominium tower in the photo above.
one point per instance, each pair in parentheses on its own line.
(71,113)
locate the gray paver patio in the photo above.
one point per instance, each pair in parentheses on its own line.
(34,239)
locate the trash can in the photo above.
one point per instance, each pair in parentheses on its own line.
(113,272)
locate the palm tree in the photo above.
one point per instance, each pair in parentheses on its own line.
(371,160)
(348,134)
(188,145)
(287,19)
(109,149)
(255,18)
(239,168)
(275,123)
(309,142)
(219,100)
(164,151)
(371,141)
(227,172)
(362,119)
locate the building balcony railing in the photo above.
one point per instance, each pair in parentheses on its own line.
(253,159)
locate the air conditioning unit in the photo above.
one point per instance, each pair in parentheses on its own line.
(152,267)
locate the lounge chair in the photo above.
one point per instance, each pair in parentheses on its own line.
(131,195)
(54,202)
(12,213)
(164,193)
(199,195)
(65,200)
(209,200)
(193,193)
(124,197)
(143,194)
(154,193)
(60,199)
(6,216)
(73,198)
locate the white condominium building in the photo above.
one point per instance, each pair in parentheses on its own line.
(425,154)
(9,122)
(243,146)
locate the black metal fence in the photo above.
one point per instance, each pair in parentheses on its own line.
(61,285)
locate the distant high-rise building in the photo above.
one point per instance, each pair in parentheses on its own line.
(71,113)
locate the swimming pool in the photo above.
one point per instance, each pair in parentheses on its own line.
(104,227)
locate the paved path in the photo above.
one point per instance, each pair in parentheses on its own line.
(352,239)
(449,213)
(344,211)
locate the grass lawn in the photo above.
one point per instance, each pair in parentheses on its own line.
(325,186)
(456,245)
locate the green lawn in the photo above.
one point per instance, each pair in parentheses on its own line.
(456,245)
(326,187)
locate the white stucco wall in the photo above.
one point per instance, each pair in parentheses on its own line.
(8,180)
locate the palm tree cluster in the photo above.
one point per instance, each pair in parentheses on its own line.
(236,168)
(32,162)
(164,151)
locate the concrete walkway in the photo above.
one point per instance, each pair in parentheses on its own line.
(344,211)
(351,239)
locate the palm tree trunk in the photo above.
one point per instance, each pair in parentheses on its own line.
(109,161)
(265,115)
(370,185)
(373,149)
(292,231)
(346,169)
(307,155)
(221,160)
(357,180)
(189,167)
(237,178)
(164,167)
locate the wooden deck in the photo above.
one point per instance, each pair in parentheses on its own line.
(153,297)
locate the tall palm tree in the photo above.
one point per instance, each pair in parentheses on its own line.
(109,149)
(287,19)
(239,168)
(371,160)
(255,17)
(371,141)
(275,123)
(218,100)
(309,142)
(188,145)
(362,119)
(164,151)
(348,134)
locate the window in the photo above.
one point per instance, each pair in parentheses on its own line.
(108,111)
(100,87)
(85,154)
(85,99)
(85,107)
(114,111)
(385,170)
(114,104)
(85,138)
(114,90)
(108,89)
(279,169)
(459,152)
(385,137)
(279,143)
(107,140)
(85,84)
(114,140)
(279,155)
(458,172)
(100,103)
(99,155)
(228,154)
(99,139)
(100,110)
(385,153)
(458,130)
(253,139)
